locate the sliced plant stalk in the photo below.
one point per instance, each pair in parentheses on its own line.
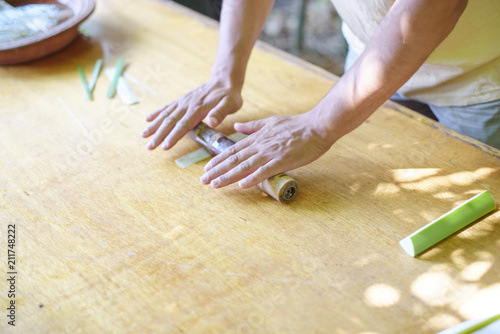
(192,158)
(201,154)
(95,74)
(480,325)
(281,186)
(237,136)
(114,81)
(449,223)
(88,93)
(487,325)
(123,90)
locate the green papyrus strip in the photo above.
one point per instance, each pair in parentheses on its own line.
(449,223)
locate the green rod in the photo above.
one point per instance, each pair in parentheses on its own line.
(88,93)
(480,325)
(118,72)
(449,223)
(95,74)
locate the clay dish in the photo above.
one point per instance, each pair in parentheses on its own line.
(50,41)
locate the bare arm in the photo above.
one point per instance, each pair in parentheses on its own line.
(410,31)
(241,24)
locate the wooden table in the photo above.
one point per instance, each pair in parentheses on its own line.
(113,238)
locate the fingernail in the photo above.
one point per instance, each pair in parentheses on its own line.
(204,179)
(215,183)
(151,144)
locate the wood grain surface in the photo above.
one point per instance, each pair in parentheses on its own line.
(113,238)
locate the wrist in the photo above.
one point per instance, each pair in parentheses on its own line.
(345,107)
(321,125)
(228,76)
(332,117)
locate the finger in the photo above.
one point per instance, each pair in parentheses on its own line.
(157,121)
(260,175)
(182,127)
(225,107)
(164,129)
(230,151)
(245,158)
(155,113)
(239,172)
(250,127)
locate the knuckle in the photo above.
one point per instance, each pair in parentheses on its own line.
(197,109)
(234,159)
(263,169)
(275,147)
(167,122)
(167,110)
(183,124)
(245,166)
(232,150)
(214,172)
(223,179)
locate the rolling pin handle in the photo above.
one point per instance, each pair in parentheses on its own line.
(281,186)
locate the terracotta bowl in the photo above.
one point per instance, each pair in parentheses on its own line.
(52,40)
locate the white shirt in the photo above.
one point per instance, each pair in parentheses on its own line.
(463,70)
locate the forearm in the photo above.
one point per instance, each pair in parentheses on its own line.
(405,38)
(240,26)
(410,31)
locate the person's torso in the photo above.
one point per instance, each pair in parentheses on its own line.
(467,61)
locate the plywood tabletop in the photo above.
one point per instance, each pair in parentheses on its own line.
(113,238)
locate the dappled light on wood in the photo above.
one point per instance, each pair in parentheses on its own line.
(441,321)
(116,238)
(381,295)
(434,288)
(432,179)
(475,271)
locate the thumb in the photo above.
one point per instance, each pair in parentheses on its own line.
(225,107)
(250,127)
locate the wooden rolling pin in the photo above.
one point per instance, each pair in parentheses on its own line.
(281,187)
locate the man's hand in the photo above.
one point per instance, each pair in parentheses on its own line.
(274,145)
(171,122)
